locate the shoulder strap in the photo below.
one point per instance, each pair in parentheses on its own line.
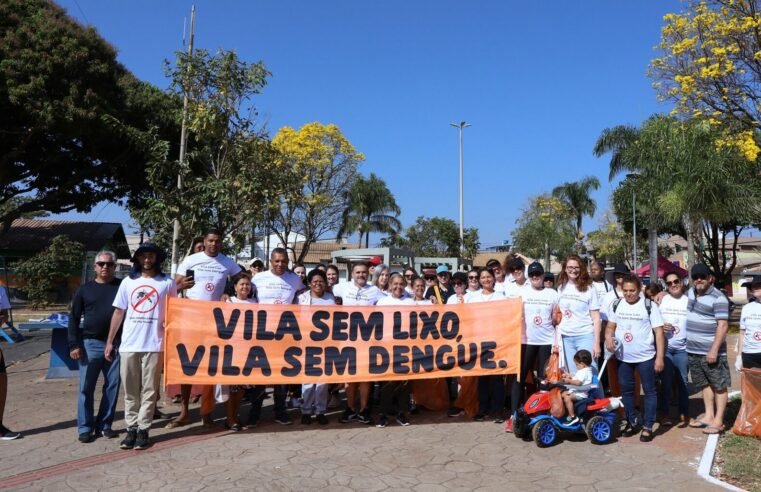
(616,303)
(648,306)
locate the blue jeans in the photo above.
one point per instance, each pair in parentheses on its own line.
(92,364)
(646,372)
(574,343)
(675,362)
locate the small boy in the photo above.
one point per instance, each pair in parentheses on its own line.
(585,375)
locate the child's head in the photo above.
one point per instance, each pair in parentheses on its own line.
(583,358)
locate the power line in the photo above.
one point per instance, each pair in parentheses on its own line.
(81,11)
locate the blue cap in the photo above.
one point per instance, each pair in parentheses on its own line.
(442,269)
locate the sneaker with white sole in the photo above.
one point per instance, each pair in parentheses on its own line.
(8,435)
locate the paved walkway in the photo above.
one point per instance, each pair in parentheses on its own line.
(435,453)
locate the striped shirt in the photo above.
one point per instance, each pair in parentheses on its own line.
(703,314)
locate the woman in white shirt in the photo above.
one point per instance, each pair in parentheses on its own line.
(380,278)
(579,312)
(418,291)
(491,389)
(635,334)
(395,395)
(459,284)
(243,289)
(673,307)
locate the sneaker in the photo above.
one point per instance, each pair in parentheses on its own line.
(347,416)
(366,417)
(479,417)
(455,412)
(306,419)
(283,420)
(334,402)
(402,420)
(86,437)
(142,441)
(382,421)
(499,419)
(108,433)
(129,441)
(509,425)
(322,419)
(8,435)
(571,420)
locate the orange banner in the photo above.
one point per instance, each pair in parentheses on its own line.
(230,343)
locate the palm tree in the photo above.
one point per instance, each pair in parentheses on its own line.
(576,196)
(371,208)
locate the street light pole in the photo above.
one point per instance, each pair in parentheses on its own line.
(634,221)
(461,125)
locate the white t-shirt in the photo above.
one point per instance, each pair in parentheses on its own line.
(602,287)
(144,301)
(634,330)
(606,303)
(306,298)
(277,289)
(481,297)
(513,290)
(251,300)
(4,302)
(537,316)
(750,325)
(453,299)
(353,295)
(424,302)
(210,274)
(576,307)
(390,300)
(585,376)
(674,311)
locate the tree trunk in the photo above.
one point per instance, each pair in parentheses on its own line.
(546,256)
(690,232)
(652,246)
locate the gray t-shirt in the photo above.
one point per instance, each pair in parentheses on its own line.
(703,313)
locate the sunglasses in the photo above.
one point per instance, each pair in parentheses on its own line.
(429,278)
(673,282)
(473,277)
(457,283)
(104,264)
(408,276)
(572,269)
(699,276)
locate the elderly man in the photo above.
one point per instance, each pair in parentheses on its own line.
(707,325)
(87,344)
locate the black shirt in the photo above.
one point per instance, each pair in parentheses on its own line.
(95,301)
(445,294)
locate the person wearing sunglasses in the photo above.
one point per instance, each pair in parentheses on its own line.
(610,378)
(707,325)
(87,344)
(459,286)
(517,271)
(750,327)
(473,285)
(537,335)
(674,311)
(440,291)
(409,276)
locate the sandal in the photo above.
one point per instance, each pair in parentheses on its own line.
(698,424)
(646,435)
(176,423)
(713,430)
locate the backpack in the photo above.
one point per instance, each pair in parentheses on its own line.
(648,305)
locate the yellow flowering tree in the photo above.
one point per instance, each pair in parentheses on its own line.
(322,165)
(546,228)
(710,68)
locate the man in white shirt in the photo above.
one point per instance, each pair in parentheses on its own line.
(275,286)
(141,303)
(203,276)
(357,293)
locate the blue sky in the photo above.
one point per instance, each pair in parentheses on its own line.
(537,80)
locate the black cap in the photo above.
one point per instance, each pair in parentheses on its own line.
(549,276)
(700,269)
(150,247)
(535,267)
(462,277)
(621,268)
(754,279)
(515,263)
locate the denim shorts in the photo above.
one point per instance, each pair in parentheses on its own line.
(715,375)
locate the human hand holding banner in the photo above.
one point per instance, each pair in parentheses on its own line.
(226,343)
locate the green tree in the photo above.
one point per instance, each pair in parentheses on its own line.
(436,236)
(67,106)
(320,164)
(371,208)
(50,268)
(231,169)
(709,67)
(546,228)
(576,196)
(611,243)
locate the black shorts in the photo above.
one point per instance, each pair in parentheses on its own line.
(2,362)
(715,375)
(751,361)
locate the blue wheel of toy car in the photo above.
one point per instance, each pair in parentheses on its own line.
(545,434)
(599,430)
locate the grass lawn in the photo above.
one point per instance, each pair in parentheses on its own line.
(738,458)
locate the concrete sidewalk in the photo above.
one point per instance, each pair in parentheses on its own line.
(434,453)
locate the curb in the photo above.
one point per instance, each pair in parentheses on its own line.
(706,463)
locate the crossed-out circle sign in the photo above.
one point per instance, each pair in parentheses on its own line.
(676,330)
(537,320)
(628,337)
(209,287)
(144,299)
(757,336)
(567,313)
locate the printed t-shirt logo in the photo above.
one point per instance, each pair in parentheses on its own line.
(209,287)
(628,337)
(568,313)
(144,299)
(537,320)
(757,336)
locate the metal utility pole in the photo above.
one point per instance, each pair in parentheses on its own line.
(461,125)
(634,222)
(183,147)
